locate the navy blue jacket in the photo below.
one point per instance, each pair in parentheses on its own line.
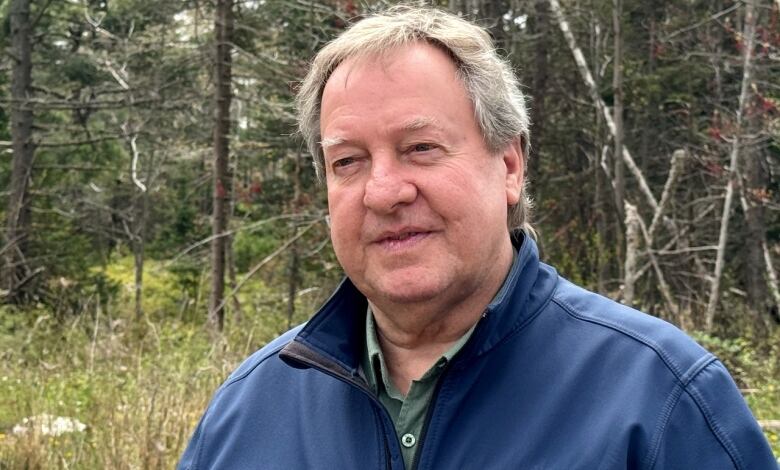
(553,377)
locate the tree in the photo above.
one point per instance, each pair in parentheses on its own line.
(744,95)
(223,34)
(16,271)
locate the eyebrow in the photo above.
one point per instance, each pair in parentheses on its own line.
(331,141)
(413,124)
(418,123)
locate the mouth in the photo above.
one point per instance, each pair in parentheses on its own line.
(401,239)
(401,236)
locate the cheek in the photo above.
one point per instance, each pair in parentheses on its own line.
(345,216)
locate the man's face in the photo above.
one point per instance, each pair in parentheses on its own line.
(417,203)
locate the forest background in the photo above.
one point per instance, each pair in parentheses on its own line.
(162,220)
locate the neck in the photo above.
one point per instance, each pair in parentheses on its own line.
(414,336)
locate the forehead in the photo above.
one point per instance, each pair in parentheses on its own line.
(408,66)
(407,88)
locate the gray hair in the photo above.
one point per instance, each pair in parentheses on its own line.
(499,104)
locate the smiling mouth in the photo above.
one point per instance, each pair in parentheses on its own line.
(403,236)
(402,240)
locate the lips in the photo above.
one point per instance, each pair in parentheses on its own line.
(401,238)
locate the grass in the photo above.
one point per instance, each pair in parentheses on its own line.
(141,388)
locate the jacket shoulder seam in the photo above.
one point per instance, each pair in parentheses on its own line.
(669,407)
(715,427)
(682,377)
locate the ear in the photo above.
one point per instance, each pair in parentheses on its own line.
(515,171)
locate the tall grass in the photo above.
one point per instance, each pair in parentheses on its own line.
(139,389)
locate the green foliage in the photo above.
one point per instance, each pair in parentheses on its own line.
(81,70)
(251,247)
(162,288)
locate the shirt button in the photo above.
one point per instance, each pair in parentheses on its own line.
(408,440)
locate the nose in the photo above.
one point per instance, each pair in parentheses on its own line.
(388,187)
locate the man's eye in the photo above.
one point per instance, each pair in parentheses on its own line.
(422,147)
(342,162)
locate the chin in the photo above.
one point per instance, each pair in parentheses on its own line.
(406,291)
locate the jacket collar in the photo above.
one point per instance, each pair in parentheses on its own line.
(336,333)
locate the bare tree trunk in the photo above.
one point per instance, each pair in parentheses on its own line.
(137,232)
(617,108)
(223,27)
(540,28)
(15,272)
(632,253)
(761,275)
(753,184)
(771,276)
(601,227)
(749,37)
(138,259)
(230,260)
(292,280)
(294,272)
(602,193)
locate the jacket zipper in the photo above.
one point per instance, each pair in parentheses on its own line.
(428,415)
(432,405)
(348,379)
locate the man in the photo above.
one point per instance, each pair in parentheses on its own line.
(450,345)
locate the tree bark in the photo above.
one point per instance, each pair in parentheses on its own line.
(755,233)
(617,108)
(223,27)
(632,253)
(294,271)
(749,36)
(15,268)
(540,27)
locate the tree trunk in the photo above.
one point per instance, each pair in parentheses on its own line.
(15,272)
(138,261)
(540,28)
(292,280)
(223,27)
(754,184)
(294,271)
(139,240)
(617,108)
(632,253)
(749,36)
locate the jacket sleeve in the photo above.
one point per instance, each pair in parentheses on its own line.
(711,427)
(188,458)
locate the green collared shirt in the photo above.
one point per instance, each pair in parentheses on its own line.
(407,413)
